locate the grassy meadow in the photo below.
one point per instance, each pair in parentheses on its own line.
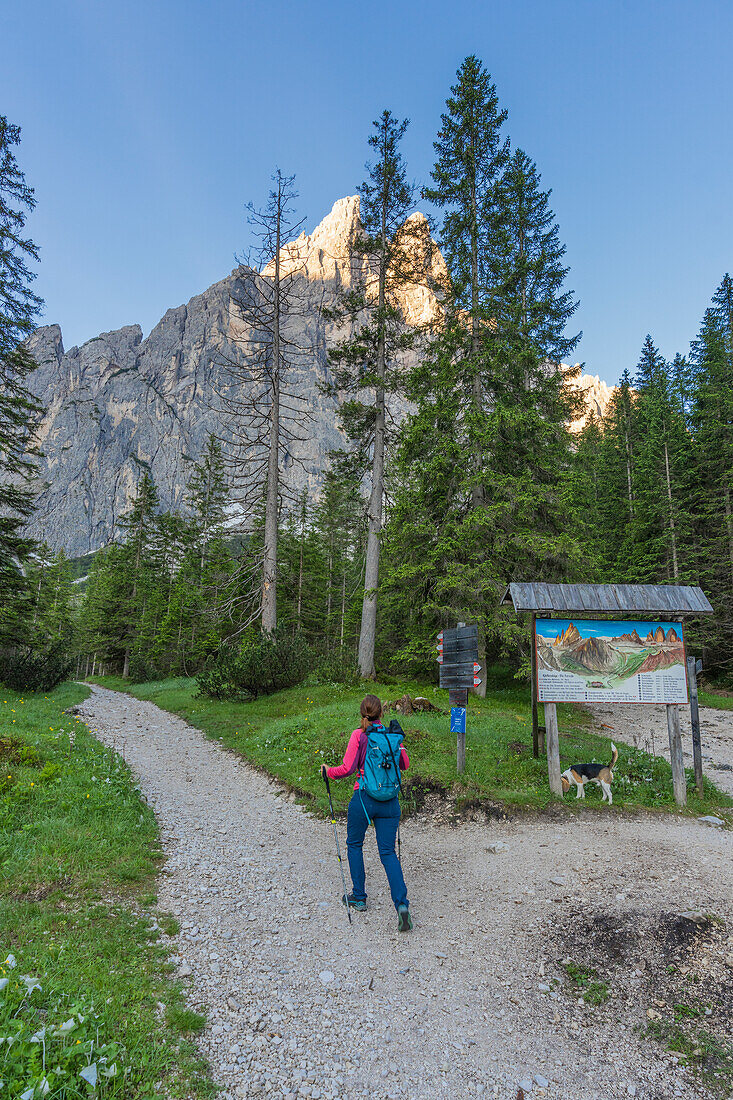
(80,851)
(291,733)
(716,699)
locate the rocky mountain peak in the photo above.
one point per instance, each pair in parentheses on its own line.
(122,403)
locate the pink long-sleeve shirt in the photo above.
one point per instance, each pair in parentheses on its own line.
(355,756)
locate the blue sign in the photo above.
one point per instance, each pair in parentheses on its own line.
(458,719)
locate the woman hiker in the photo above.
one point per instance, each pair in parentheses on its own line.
(364,809)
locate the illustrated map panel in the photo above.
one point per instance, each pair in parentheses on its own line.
(587,661)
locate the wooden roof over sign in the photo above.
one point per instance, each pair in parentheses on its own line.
(608,599)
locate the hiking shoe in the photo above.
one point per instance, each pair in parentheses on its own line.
(404,920)
(354,903)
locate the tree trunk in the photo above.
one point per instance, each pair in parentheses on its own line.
(367,636)
(343,608)
(300,568)
(675,570)
(328,590)
(269,576)
(477,492)
(628,474)
(729,528)
(368,633)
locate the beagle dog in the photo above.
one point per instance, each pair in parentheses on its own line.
(580,774)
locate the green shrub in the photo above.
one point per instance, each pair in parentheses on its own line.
(26,669)
(142,671)
(49,1046)
(337,668)
(217,681)
(262,665)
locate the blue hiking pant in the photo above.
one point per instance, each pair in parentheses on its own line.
(386,818)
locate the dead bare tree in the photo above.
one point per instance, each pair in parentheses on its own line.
(265,412)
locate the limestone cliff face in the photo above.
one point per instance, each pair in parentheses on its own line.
(597,397)
(121,403)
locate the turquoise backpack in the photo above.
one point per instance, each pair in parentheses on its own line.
(381,779)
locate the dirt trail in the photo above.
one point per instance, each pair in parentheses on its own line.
(645,727)
(300,1004)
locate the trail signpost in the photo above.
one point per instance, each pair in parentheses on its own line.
(635,653)
(459,669)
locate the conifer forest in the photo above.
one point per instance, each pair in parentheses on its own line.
(422,518)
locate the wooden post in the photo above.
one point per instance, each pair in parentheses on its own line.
(553,749)
(692,670)
(458,697)
(535,721)
(461,753)
(679,781)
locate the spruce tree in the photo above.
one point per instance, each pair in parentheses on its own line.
(366,367)
(605,457)
(532,308)
(660,524)
(340,523)
(19,409)
(138,562)
(105,615)
(479,499)
(472,155)
(712,425)
(207,496)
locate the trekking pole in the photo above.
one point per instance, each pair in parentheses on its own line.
(338,849)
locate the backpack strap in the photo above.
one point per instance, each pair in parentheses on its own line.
(361,780)
(394,722)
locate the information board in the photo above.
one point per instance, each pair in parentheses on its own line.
(589,661)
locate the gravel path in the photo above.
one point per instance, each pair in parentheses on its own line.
(300,1004)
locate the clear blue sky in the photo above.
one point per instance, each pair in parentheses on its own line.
(148,125)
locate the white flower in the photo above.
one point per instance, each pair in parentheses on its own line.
(28,1094)
(39,1036)
(67,1026)
(89,1073)
(30,983)
(44,1086)
(3,983)
(10,961)
(110,1071)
